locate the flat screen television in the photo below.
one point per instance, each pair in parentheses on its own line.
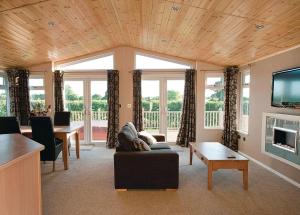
(286,88)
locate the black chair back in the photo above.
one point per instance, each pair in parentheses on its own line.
(42,132)
(62,118)
(9,125)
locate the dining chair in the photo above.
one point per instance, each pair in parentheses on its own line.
(63,118)
(43,133)
(9,125)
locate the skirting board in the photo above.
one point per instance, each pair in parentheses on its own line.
(271,170)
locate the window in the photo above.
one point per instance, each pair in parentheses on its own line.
(214,101)
(96,63)
(244,101)
(3,96)
(37,93)
(144,62)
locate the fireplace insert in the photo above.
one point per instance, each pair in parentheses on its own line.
(285,139)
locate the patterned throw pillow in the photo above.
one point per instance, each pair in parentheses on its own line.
(146,137)
(140,145)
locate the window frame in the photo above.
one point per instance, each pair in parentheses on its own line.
(212,87)
(61,66)
(37,76)
(243,85)
(5,88)
(184,63)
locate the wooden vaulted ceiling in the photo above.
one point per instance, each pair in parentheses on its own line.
(218,31)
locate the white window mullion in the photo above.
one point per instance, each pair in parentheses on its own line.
(244,101)
(87,107)
(162,105)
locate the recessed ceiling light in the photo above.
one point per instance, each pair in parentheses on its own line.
(51,23)
(175,8)
(52,55)
(259,26)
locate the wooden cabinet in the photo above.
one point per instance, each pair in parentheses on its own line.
(20,175)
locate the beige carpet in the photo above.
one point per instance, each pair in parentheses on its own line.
(87,188)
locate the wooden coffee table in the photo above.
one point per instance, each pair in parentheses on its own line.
(217,156)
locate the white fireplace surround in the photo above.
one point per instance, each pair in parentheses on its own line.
(294,118)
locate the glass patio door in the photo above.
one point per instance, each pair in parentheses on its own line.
(162,100)
(175,91)
(86,99)
(98,110)
(151,106)
(74,101)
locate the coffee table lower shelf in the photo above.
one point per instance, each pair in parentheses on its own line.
(215,156)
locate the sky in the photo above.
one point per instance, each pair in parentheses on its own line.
(37,82)
(106,62)
(150,88)
(144,62)
(97,87)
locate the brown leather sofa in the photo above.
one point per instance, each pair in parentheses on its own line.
(156,169)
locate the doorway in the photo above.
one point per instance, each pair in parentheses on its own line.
(86,99)
(162,100)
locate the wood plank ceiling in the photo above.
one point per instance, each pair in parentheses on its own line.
(218,31)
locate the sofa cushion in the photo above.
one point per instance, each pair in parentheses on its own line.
(132,128)
(140,145)
(159,137)
(159,146)
(125,139)
(148,138)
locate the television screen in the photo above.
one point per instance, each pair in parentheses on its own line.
(286,88)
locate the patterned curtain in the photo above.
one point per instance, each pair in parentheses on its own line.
(58,90)
(187,131)
(113,107)
(137,100)
(230,136)
(19,94)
